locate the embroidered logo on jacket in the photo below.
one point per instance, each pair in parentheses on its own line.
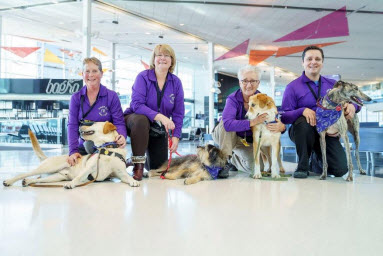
(172,97)
(103,110)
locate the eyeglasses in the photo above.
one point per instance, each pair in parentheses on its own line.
(252,82)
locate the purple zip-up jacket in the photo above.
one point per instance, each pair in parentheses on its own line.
(107,108)
(144,99)
(233,115)
(297,97)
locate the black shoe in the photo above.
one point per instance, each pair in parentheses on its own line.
(301,174)
(232,167)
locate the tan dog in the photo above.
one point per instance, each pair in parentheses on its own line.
(263,139)
(108,165)
(194,167)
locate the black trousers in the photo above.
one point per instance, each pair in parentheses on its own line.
(156,148)
(307,141)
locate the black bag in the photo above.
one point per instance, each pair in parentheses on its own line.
(157,130)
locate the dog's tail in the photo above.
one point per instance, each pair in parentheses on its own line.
(36,146)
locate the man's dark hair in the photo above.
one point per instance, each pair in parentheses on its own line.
(312,48)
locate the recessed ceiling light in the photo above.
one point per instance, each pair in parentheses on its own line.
(223,68)
(185,57)
(61,23)
(181,24)
(338,67)
(147,33)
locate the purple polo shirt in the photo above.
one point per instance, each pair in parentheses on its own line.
(233,115)
(107,108)
(297,97)
(144,99)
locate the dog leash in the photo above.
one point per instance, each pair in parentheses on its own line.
(170,158)
(84,184)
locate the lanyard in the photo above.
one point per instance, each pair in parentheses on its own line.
(160,94)
(312,90)
(82,106)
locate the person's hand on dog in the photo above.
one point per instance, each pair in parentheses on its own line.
(174,147)
(258,120)
(310,117)
(349,111)
(121,141)
(276,127)
(72,160)
(165,121)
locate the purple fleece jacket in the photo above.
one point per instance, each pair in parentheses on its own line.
(144,99)
(297,97)
(233,115)
(107,108)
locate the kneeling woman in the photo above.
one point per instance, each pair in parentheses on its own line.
(157,96)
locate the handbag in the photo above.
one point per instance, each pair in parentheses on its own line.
(157,130)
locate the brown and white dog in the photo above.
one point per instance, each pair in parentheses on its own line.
(264,140)
(110,164)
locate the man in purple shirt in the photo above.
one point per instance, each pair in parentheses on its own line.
(157,96)
(233,133)
(298,108)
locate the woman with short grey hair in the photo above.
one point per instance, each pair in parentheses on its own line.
(233,133)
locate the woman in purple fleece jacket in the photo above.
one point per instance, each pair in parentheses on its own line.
(157,96)
(96,103)
(233,133)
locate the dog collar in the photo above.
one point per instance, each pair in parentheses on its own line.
(109,153)
(213,171)
(274,121)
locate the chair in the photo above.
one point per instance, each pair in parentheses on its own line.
(371,144)
(286,143)
(198,135)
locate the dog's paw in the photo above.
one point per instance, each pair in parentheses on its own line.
(69,185)
(188,181)
(275,175)
(322,177)
(6,183)
(257,175)
(349,178)
(26,182)
(134,183)
(362,172)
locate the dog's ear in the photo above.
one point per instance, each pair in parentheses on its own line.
(338,84)
(108,127)
(262,100)
(270,102)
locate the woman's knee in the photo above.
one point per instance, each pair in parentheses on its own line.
(138,123)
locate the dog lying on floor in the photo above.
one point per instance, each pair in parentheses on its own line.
(331,121)
(205,165)
(264,140)
(111,161)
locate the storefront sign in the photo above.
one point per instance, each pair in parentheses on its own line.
(40,86)
(65,87)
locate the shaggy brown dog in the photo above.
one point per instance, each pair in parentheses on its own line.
(203,166)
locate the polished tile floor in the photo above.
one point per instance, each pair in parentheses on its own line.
(235,216)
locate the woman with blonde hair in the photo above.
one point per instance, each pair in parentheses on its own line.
(157,96)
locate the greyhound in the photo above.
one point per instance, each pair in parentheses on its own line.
(331,121)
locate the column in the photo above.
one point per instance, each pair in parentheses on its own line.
(113,78)
(86,27)
(210,62)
